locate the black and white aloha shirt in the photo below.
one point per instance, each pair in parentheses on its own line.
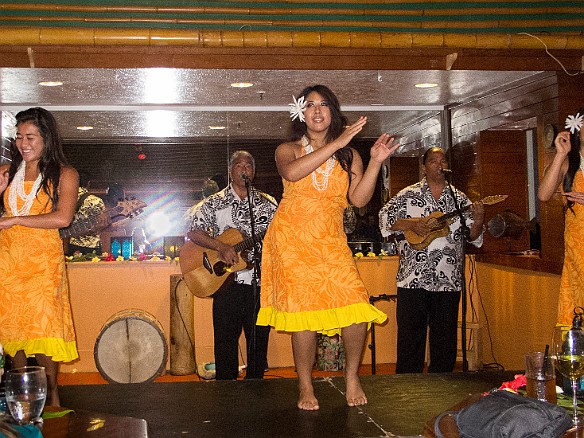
(225,209)
(91,208)
(437,267)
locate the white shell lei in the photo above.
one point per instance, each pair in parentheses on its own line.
(17,189)
(328,170)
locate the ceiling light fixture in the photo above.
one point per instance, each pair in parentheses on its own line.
(426,85)
(242,85)
(216,127)
(85,128)
(51,83)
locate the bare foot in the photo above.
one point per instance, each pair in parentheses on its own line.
(307,401)
(355,395)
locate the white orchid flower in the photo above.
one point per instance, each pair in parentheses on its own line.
(574,123)
(297,108)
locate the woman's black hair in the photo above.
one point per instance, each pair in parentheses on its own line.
(573,161)
(338,123)
(52,159)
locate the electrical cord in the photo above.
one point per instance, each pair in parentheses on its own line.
(552,56)
(495,363)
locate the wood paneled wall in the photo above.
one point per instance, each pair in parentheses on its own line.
(404,171)
(488,159)
(503,171)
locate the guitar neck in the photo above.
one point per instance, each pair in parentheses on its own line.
(86,225)
(449,216)
(248,243)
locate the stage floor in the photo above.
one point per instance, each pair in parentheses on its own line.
(399,405)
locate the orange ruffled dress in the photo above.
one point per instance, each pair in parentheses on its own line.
(309,277)
(572,281)
(35,313)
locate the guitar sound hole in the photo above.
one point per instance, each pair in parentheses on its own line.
(219,268)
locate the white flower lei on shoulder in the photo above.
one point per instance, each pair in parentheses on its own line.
(328,170)
(17,189)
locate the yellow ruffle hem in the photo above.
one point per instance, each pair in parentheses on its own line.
(328,322)
(56,348)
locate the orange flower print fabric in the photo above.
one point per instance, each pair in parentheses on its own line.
(309,277)
(572,281)
(35,313)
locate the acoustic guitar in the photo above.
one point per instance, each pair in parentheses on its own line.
(124,210)
(203,270)
(439,223)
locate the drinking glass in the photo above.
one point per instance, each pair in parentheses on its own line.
(568,355)
(26,392)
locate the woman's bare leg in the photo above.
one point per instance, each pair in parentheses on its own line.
(354,341)
(19,359)
(51,370)
(304,350)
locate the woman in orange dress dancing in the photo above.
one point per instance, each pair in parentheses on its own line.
(39,196)
(310,283)
(567,172)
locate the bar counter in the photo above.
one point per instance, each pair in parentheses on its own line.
(100,290)
(513,308)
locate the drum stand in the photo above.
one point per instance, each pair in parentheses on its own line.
(373,300)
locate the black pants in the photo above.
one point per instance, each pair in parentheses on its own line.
(416,311)
(234,309)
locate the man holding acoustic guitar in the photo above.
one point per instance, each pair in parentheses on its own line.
(430,274)
(211,260)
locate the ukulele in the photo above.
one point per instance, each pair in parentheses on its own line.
(439,223)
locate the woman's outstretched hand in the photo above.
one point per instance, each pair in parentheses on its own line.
(577,197)
(383,148)
(351,131)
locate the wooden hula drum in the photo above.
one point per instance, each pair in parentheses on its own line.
(131,348)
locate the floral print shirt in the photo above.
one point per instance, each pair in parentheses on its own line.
(225,209)
(91,208)
(438,267)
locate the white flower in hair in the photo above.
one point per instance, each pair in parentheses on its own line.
(297,108)
(574,123)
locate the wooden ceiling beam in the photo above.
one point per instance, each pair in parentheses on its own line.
(290,58)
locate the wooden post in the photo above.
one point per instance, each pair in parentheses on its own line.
(182,328)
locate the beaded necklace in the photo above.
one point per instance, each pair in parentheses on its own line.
(328,170)
(17,189)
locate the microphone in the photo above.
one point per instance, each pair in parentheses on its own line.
(245,179)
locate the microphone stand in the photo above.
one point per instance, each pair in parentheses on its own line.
(465,236)
(256,275)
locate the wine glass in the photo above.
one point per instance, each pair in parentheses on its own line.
(26,392)
(568,355)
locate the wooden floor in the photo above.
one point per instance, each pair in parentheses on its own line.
(400,405)
(272,373)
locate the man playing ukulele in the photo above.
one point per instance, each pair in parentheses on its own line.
(430,278)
